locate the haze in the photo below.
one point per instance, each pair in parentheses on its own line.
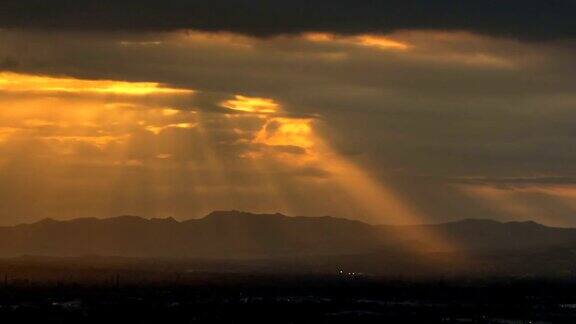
(113,109)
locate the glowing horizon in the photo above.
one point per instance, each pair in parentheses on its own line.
(380,127)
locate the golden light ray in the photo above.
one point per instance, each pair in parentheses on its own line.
(380,202)
(97,129)
(290,132)
(255,163)
(217,174)
(212,166)
(51,119)
(164,174)
(128,139)
(370,197)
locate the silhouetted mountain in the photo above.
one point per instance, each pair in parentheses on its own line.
(484,234)
(220,234)
(244,235)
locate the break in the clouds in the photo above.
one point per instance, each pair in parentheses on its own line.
(402,117)
(524,19)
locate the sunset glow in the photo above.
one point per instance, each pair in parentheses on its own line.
(251,104)
(280,161)
(13,82)
(288,131)
(374,41)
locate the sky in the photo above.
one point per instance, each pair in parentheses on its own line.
(393,112)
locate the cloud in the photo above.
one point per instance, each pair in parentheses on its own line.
(518,182)
(531,20)
(18,83)
(278,118)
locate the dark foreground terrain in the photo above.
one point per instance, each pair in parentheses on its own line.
(62,291)
(234,267)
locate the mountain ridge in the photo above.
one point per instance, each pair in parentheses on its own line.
(234,213)
(235,234)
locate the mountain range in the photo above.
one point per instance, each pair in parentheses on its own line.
(233,241)
(233,234)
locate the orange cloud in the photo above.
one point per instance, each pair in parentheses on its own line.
(158,129)
(252,104)
(14,82)
(286,132)
(368,40)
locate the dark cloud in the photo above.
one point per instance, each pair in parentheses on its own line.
(458,125)
(525,19)
(511,183)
